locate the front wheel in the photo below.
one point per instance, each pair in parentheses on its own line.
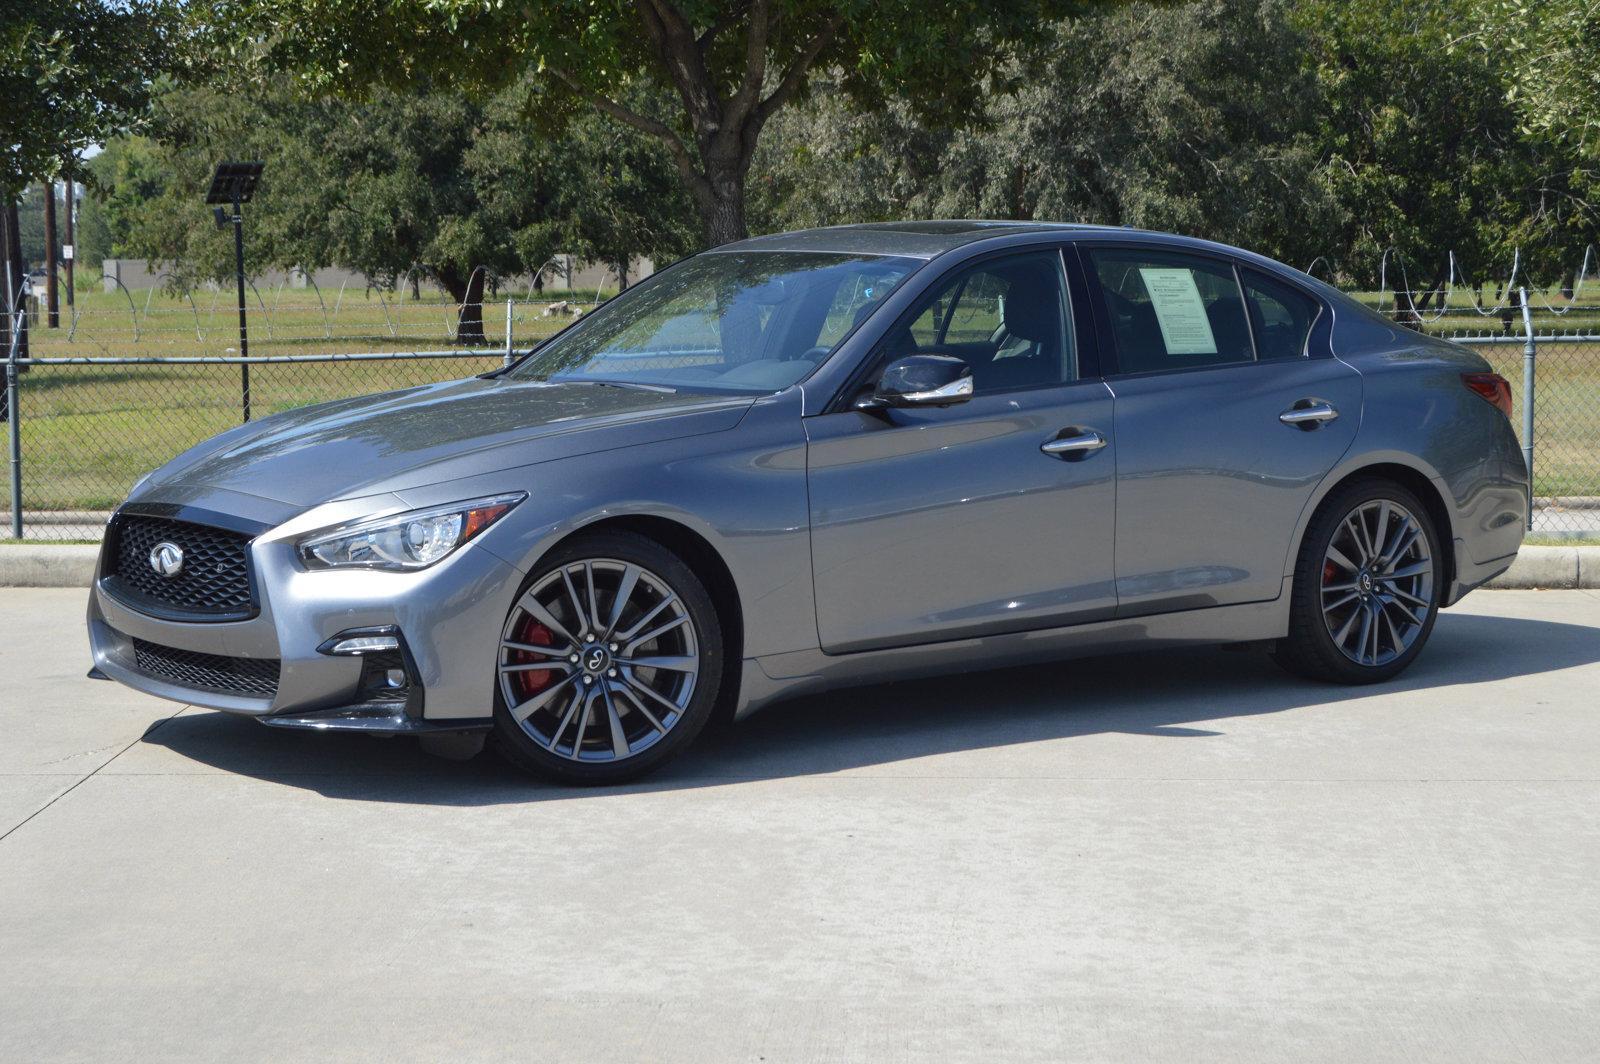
(1366,587)
(609,661)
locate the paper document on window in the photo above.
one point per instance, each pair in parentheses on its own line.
(1179,310)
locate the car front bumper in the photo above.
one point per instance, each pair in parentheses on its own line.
(448,618)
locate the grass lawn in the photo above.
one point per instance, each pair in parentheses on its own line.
(90,431)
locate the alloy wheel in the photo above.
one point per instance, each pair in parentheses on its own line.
(598,660)
(1377,583)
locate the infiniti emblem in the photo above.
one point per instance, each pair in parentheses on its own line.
(166,559)
(596,660)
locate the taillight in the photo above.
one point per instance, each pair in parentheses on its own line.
(1492,387)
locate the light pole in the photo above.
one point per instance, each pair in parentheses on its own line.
(233,184)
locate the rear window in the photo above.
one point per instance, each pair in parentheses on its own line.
(1280,315)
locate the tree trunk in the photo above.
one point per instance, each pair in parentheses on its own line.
(722,209)
(468,295)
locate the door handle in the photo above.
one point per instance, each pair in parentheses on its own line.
(1080,445)
(1308,413)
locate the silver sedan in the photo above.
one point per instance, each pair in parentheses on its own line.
(824,458)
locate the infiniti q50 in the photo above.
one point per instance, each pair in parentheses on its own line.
(823,458)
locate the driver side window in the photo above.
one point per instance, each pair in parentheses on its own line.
(1006,318)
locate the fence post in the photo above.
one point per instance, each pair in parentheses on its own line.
(1529,353)
(14,407)
(508,334)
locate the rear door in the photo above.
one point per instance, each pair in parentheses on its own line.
(941,523)
(1230,410)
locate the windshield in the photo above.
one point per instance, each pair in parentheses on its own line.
(752,322)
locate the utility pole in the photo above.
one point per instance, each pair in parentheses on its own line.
(70,251)
(52,297)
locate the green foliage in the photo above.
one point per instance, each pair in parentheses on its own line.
(1195,118)
(429,185)
(1552,49)
(731,67)
(73,72)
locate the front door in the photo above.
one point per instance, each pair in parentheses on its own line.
(948,522)
(1228,416)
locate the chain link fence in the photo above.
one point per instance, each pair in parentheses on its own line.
(130,380)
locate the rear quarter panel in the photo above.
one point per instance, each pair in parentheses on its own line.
(1418,413)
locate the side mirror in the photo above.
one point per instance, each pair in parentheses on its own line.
(921,380)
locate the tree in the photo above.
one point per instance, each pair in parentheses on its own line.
(1196,118)
(1425,149)
(73,72)
(730,67)
(426,185)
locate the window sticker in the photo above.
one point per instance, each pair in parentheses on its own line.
(1180,311)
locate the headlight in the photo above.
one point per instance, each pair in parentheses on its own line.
(406,541)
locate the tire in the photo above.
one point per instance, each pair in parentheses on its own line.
(606,717)
(1367,585)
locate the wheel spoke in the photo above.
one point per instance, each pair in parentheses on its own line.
(655,612)
(1400,593)
(1344,600)
(593,620)
(577,604)
(566,718)
(1344,629)
(529,648)
(1366,627)
(1403,545)
(583,722)
(655,633)
(523,710)
(672,664)
(1337,557)
(636,684)
(619,738)
(1421,568)
(1358,535)
(630,579)
(638,704)
(539,666)
(1381,534)
(531,605)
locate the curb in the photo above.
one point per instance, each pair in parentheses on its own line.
(73,566)
(58,566)
(1552,567)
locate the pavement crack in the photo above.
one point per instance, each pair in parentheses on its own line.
(157,726)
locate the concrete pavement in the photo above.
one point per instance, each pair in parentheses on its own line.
(1175,857)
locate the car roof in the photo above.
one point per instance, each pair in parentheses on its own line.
(930,239)
(922,240)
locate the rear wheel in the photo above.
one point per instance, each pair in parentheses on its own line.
(1366,587)
(609,661)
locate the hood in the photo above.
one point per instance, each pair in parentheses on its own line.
(434,433)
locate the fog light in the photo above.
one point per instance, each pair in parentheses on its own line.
(395,677)
(365,644)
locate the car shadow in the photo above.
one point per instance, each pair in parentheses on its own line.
(1176,694)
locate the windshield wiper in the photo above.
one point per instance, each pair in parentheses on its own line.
(632,385)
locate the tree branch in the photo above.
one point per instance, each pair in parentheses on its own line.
(675,45)
(723,21)
(795,76)
(755,65)
(643,123)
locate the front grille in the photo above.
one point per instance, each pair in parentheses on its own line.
(211,672)
(214,583)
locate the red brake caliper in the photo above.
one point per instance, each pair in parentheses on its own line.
(529,683)
(1330,573)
